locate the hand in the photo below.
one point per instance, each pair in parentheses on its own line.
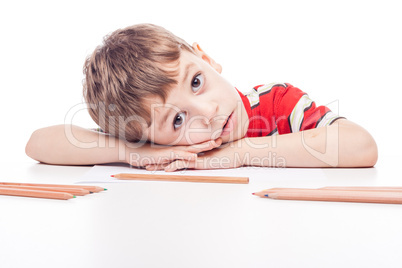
(229,155)
(149,154)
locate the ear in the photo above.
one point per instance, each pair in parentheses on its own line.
(200,53)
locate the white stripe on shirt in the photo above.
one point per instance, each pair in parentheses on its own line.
(297,115)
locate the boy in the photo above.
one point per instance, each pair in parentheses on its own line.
(146,84)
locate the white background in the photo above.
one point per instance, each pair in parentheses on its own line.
(347,52)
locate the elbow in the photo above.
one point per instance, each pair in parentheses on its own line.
(37,146)
(371,152)
(357,147)
(365,153)
(31,148)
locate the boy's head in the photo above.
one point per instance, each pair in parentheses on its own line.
(144,83)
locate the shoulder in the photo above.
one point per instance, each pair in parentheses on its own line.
(264,89)
(273,92)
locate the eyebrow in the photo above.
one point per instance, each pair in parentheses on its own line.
(186,71)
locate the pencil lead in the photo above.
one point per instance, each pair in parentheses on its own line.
(253,193)
(74,196)
(266,195)
(111,175)
(104,189)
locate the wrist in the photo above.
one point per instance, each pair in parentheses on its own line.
(242,153)
(134,153)
(126,152)
(255,151)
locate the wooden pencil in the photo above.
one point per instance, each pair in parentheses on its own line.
(94,189)
(73,191)
(35,193)
(364,188)
(273,190)
(180,178)
(337,188)
(334,195)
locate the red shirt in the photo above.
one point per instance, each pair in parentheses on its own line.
(281,108)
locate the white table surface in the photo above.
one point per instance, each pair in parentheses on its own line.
(172,224)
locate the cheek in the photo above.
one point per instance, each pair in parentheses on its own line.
(195,136)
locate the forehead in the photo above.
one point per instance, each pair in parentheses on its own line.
(177,67)
(185,64)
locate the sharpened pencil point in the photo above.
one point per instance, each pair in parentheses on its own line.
(266,195)
(104,189)
(252,193)
(74,196)
(111,175)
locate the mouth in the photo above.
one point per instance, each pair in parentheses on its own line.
(226,123)
(229,125)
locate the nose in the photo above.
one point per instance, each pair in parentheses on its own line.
(207,111)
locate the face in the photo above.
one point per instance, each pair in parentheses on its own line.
(202,106)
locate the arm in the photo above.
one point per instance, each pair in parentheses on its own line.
(342,144)
(73,145)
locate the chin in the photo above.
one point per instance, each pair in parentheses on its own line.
(227,139)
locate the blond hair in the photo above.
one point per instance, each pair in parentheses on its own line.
(122,73)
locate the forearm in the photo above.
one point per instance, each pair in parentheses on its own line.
(72,145)
(343,144)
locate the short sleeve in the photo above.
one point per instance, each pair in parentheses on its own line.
(295,111)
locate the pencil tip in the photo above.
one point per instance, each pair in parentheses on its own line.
(104,189)
(74,196)
(253,193)
(111,175)
(266,195)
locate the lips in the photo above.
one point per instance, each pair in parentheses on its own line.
(229,124)
(227,120)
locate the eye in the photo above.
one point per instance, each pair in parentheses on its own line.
(197,82)
(179,120)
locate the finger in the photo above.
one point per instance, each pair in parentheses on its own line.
(183,155)
(180,164)
(155,167)
(176,155)
(205,146)
(171,156)
(218,142)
